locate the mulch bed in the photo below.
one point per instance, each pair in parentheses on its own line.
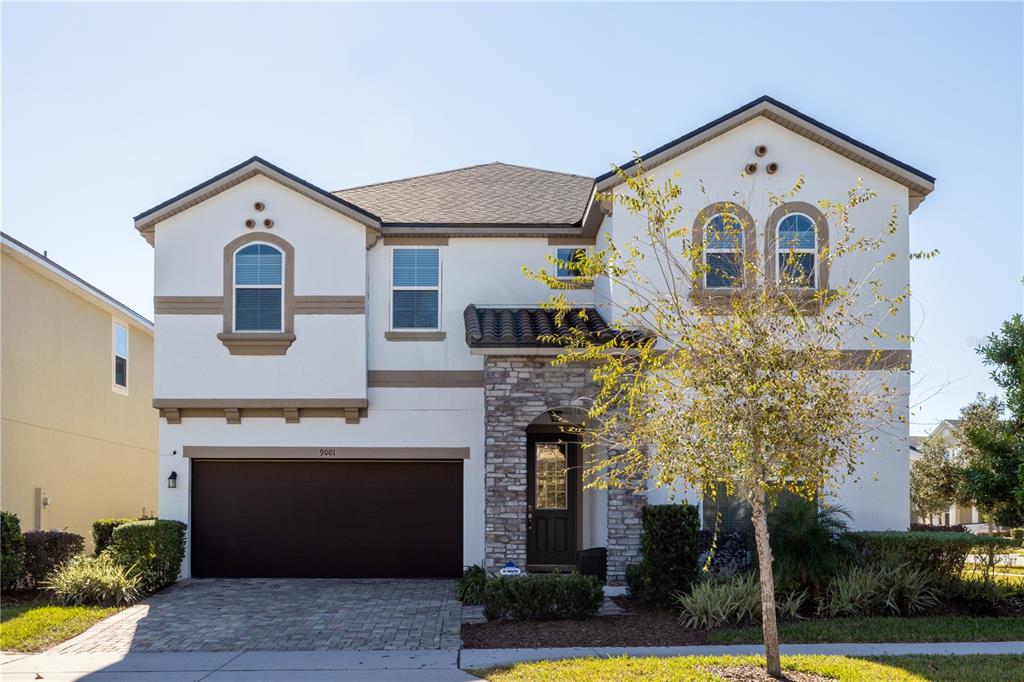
(18,597)
(642,626)
(752,673)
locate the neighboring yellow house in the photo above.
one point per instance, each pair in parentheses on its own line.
(78,436)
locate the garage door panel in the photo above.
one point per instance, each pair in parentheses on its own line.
(326,519)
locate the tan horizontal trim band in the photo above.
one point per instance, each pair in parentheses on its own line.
(572,241)
(377,378)
(415,241)
(415,336)
(188,305)
(330,305)
(325,454)
(270,403)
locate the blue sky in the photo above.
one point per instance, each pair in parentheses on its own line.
(109,109)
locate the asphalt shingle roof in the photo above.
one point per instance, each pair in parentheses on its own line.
(522,327)
(492,193)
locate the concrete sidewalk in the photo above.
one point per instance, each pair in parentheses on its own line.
(444,665)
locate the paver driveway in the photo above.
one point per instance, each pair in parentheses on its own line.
(283,615)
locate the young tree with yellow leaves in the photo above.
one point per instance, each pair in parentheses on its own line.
(726,369)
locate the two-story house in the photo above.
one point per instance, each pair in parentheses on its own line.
(351,382)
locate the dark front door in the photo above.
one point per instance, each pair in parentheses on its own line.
(552,474)
(326,519)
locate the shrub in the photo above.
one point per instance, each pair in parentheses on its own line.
(670,548)
(542,597)
(47,550)
(155,548)
(1018,535)
(730,553)
(928,528)
(103,532)
(12,551)
(93,580)
(634,579)
(810,544)
(470,588)
(882,589)
(714,603)
(943,553)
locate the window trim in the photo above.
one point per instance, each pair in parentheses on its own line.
(570,277)
(392,289)
(748,249)
(821,237)
(258,343)
(116,322)
(235,286)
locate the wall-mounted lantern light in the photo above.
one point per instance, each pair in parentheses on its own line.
(172,480)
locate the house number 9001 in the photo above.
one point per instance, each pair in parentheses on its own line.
(328,452)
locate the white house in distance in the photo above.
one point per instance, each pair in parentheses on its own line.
(966,515)
(350,383)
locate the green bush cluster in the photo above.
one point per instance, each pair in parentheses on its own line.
(880,589)
(103,532)
(153,548)
(93,580)
(943,553)
(45,551)
(542,596)
(733,601)
(12,551)
(470,587)
(1018,535)
(810,544)
(670,547)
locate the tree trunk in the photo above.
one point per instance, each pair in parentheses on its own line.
(764,562)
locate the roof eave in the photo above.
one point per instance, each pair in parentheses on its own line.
(918,183)
(146,221)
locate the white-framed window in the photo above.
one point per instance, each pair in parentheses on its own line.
(416,288)
(119,345)
(797,251)
(723,251)
(566,255)
(259,292)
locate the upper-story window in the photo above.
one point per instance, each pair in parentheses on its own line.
(797,251)
(259,293)
(416,288)
(723,251)
(565,256)
(120,346)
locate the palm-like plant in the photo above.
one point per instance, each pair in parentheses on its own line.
(810,543)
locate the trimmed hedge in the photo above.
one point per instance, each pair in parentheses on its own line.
(154,548)
(103,532)
(929,528)
(12,551)
(942,552)
(542,596)
(1018,535)
(670,546)
(47,550)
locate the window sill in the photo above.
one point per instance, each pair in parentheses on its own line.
(805,299)
(571,284)
(240,343)
(415,336)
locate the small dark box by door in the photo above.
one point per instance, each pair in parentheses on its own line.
(593,561)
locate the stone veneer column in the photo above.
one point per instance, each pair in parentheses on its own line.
(518,389)
(624,529)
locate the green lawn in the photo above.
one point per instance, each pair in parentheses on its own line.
(690,669)
(883,629)
(35,626)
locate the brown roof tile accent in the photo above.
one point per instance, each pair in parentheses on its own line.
(492,193)
(522,327)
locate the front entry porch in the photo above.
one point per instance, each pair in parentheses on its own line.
(538,511)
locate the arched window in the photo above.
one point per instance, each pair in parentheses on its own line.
(797,251)
(259,292)
(723,251)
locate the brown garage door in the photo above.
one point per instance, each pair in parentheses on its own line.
(333,519)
